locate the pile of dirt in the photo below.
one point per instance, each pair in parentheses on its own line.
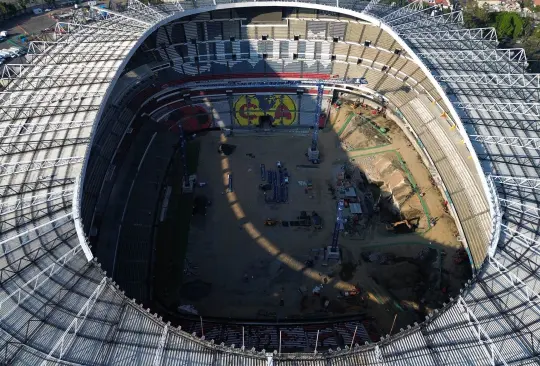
(381,168)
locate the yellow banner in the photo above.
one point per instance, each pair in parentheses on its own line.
(281,107)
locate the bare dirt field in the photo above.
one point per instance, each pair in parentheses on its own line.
(240,268)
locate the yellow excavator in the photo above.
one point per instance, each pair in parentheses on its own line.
(403,226)
(271,222)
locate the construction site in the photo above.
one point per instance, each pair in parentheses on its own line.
(365,231)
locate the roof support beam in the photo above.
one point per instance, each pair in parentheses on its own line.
(9,113)
(145,11)
(493,353)
(487,34)
(31,128)
(372,4)
(16,265)
(45,57)
(532,143)
(103,75)
(521,239)
(27,289)
(520,207)
(22,203)
(528,109)
(16,222)
(18,189)
(518,124)
(525,291)
(417,15)
(455,17)
(509,54)
(532,183)
(33,233)
(84,33)
(25,166)
(9,148)
(16,98)
(521,160)
(14,71)
(161,345)
(495,80)
(62,345)
(407,9)
(143,24)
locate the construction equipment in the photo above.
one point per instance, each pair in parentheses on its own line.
(271,222)
(403,226)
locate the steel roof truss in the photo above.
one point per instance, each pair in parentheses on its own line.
(493,353)
(17,189)
(26,290)
(22,203)
(508,54)
(8,148)
(417,15)
(36,82)
(25,166)
(30,128)
(532,143)
(486,34)
(407,9)
(25,98)
(143,24)
(14,112)
(503,123)
(528,109)
(520,207)
(14,267)
(521,239)
(455,17)
(517,181)
(371,5)
(67,32)
(521,287)
(145,11)
(520,94)
(16,223)
(67,338)
(505,80)
(161,346)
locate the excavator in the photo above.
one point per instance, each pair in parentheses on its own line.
(403,226)
(271,222)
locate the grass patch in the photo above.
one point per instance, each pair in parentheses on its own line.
(173,233)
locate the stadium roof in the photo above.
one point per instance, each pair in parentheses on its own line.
(58,306)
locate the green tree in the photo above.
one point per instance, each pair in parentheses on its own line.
(22,4)
(475,16)
(508,25)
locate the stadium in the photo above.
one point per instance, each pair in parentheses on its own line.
(113,127)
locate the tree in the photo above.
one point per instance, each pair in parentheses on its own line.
(22,4)
(475,16)
(508,25)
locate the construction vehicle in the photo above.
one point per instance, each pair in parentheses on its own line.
(403,226)
(271,222)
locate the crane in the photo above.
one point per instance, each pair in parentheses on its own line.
(333,250)
(313,151)
(187,186)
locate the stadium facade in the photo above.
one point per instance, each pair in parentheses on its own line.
(65,112)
